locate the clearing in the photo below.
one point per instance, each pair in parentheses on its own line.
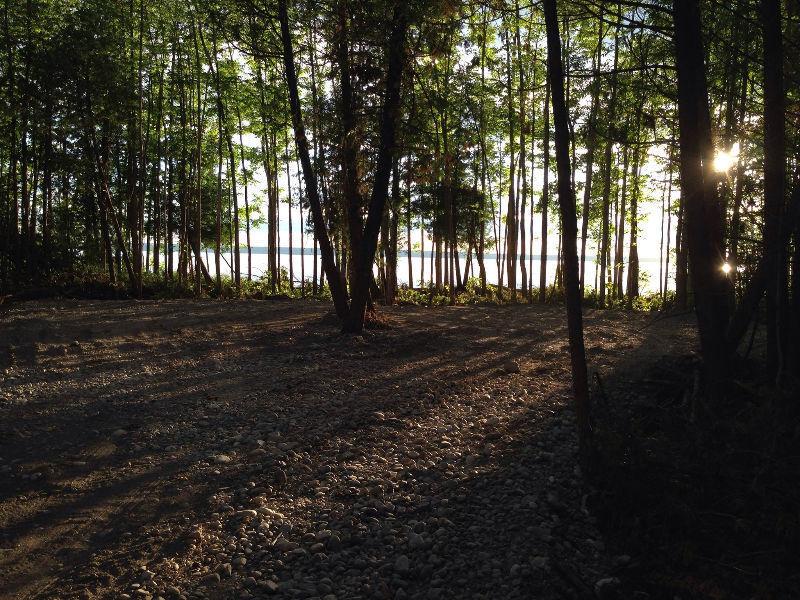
(208,449)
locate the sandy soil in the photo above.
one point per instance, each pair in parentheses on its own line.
(246,449)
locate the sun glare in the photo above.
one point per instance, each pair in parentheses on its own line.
(726,268)
(724,160)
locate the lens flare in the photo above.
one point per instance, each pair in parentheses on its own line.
(725,159)
(726,268)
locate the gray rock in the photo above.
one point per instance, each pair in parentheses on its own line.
(334,542)
(415,541)
(270,587)
(402,564)
(607,588)
(224,570)
(284,545)
(623,560)
(539,562)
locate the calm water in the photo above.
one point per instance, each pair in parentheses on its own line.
(649,267)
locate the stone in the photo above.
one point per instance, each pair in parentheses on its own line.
(280,478)
(284,545)
(268,512)
(270,587)
(210,579)
(334,542)
(607,588)
(415,541)
(511,366)
(623,560)
(222,459)
(402,564)
(539,562)
(554,501)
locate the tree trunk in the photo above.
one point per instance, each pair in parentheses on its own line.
(386,153)
(591,137)
(633,252)
(511,217)
(408,223)
(482,135)
(703,214)
(301,141)
(604,231)
(523,176)
(619,261)
(774,184)
(566,198)
(545,188)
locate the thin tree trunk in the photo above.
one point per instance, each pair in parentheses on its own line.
(604,232)
(511,217)
(591,140)
(633,250)
(566,197)
(523,176)
(545,188)
(408,223)
(669,219)
(774,184)
(246,196)
(301,141)
(619,261)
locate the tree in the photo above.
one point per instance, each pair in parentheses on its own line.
(364,241)
(569,223)
(703,211)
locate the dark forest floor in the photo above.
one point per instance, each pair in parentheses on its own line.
(246,449)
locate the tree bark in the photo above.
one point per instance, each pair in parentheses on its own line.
(774,184)
(703,212)
(312,190)
(386,152)
(591,140)
(607,164)
(511,216)
(545,188)
(566,198)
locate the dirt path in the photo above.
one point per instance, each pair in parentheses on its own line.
(246,449)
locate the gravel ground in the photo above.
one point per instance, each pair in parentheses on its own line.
(190,449)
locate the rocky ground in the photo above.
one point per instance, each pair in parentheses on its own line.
(185,449)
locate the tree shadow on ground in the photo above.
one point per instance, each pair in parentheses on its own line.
(264,368)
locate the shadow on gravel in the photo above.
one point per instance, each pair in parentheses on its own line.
(503,515)
(704,497)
